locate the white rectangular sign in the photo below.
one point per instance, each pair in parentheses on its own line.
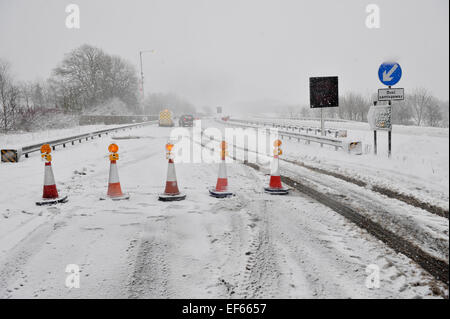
(379,118)
(391,94)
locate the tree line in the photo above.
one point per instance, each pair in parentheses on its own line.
(419,108)
(86,78)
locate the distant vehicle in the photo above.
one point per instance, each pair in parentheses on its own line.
(225,118)
(166,118)
(186,120)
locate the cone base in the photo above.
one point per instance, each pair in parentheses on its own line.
(170,197)
(123,197)
(219,194)
(276,191)
(52,201)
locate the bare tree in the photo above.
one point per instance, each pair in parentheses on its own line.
(26,93)
(432,114)
(353,107)
(9,96)
(419,101)
(88,76)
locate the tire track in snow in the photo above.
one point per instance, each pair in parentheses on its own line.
(18,257)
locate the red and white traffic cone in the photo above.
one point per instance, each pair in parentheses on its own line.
(50,193)
(114,189)
(221,189)
(171,193)
(275,187)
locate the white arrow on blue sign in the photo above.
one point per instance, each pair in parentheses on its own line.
(390,73)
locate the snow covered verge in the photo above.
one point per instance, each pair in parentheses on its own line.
(111,107)
(12,140)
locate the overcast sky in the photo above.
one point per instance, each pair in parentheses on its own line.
(224,51)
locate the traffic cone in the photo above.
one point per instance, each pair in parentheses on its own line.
(171,193)
(50,193)
(275,187)
(221,189)
(114,189)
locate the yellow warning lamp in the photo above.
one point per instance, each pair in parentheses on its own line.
(45,152)
(113,157)
(169,147)
(47,157)
(46,149)
(277,143)
(113,148)
(277,150)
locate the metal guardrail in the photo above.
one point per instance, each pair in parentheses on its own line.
(351,147)
(307,129)
(26,150)
(115,119)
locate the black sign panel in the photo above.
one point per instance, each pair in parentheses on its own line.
(323,91)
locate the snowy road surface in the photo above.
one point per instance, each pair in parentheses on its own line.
(250,245)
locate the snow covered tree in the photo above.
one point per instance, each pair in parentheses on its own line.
(419,100)
(9,98)
(87,76)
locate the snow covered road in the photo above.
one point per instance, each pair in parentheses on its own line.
(252,245)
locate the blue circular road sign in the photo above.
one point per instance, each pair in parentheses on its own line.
(390,73)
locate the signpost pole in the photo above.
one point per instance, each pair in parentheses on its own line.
(390,134)
(375,142)
(322,125)
(375,150)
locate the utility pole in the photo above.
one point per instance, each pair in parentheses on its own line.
(142,71)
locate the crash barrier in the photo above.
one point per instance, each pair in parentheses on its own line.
(352,147)
(16,153)
(115,119)
(298,128)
